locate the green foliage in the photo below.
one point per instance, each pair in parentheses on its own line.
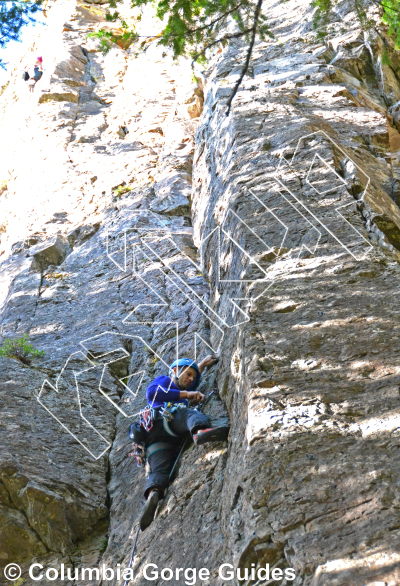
(121,189)
(322,14)
(14,14)
(103,545)
(390,16)
(19,348)
(193,25)
(108,39)
(386,59)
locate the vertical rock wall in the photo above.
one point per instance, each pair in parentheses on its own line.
(98,169)
(278,251)
(299,184)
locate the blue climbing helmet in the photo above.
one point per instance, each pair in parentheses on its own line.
(189,363)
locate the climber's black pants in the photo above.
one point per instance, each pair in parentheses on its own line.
(187,420)
(161,462)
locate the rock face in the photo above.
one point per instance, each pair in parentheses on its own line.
(131,230)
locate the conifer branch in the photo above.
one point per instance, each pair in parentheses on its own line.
(221,40)
(210,24)
(248,57)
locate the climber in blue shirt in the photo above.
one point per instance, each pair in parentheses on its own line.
(163,389)
(167,420)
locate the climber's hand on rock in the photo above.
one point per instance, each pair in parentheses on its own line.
(207,361)
(195,396)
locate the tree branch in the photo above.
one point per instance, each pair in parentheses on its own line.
(381,5)
(249,52)
(224,38)
(202,28)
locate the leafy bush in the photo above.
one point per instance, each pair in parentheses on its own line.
(19,348)
(191,27)
(108,38)
(391,17)
(121,189)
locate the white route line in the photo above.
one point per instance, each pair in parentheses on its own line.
(252,260)
(183,286)
(147,345)
(95,457)
(324,225)
(291,166)
(104,367)
(182,290)
(317,155)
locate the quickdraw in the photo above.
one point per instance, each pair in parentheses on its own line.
(167,412)
(146,418)
(139,453)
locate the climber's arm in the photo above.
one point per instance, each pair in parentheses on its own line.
(193,396)
(207,361)
(160,391)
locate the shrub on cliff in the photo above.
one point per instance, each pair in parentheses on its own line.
(391,17)
(19,348)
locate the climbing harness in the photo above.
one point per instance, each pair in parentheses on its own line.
(156,447)
(168,410)
(199,407)
(147,416)
(167,413)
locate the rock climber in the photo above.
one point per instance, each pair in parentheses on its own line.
(36,73)
(165,423)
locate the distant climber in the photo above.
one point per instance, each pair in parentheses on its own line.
(36,72)
(166,422)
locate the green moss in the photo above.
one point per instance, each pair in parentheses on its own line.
(103,545)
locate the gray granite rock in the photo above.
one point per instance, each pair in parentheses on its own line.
(270,238)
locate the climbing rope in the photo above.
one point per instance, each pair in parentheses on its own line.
(200,407)
(132,555)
